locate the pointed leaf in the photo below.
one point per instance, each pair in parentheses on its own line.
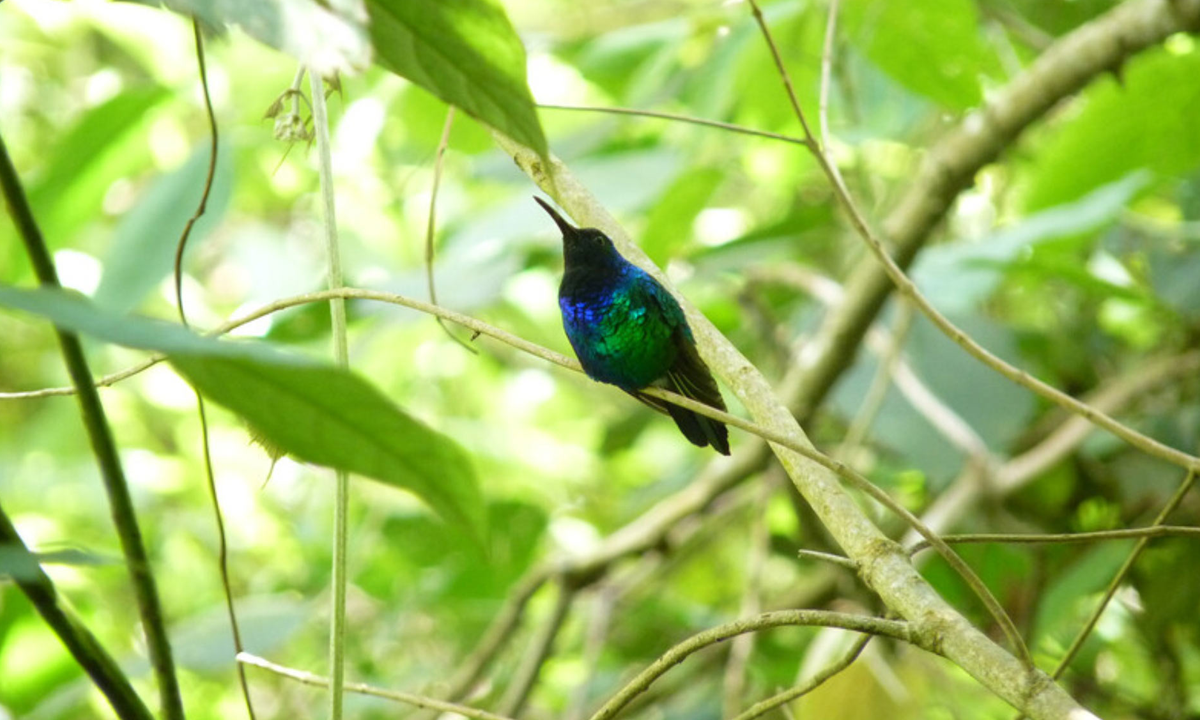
(325,41)
(464,51)
(315,412)
(142,252)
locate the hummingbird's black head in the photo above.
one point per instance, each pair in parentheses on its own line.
(582,246)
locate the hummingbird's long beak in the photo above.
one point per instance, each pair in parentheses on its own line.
(566,227)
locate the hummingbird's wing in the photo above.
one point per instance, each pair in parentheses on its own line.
(687,375)
(690,377)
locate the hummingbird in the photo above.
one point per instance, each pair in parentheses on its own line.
(628,330)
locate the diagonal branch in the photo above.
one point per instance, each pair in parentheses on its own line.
(883,565)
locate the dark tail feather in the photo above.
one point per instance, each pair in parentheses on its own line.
(699,430)
(690,378)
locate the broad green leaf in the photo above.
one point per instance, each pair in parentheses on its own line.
(204,642)
(142,252)
(314,412)
(464,51)
(325,41)
(990,404)
(106,143)
(20,564)
(957,276)
(932,47)
(669,225)
(1148,120)
(329,417)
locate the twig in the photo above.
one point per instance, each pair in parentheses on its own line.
(826,64)
(741,647)
(599,619)
(341,354)
(537,653)
(363,689)
(431,225)
(889,357)
(79,641)
(677,118)
(1019,471)
(994,608)
(807,618)
(765,706)
(1150,532)
(206,450)
(1086,630)
(501,630)
(105,449)
(909,289)
(839,560)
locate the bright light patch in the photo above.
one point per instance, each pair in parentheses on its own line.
(553,82)
(440,358)
(717,226)
(356,134)
(255,328)
(576,537)
(167,390)
(534,290)
(78,270)
(102,85)
(527,390)
(168,142)
(1106,267)
(765,164)
(1180,44)
(148,470)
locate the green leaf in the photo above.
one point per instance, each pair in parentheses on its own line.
(204,642)
(329,417)
(669,225)
(20,564)
(143,247)
(464,51)
(932,47)
(325,41)
(106,143)
(957,276)
(315,412)
(1146,121)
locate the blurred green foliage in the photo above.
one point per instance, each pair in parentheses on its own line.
(1076,255)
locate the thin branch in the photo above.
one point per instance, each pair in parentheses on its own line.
(206,449)
(599,620)
(537,653)
(909,289)
(839,560)
(420,701)
(840,469)
(341,354)
(105,381)
(676,118)
(1150,532)
(765,706)
(872,403)
(940,416)
(501,630)
(826,64)
(104,447)
(1017,472)
(742,646)
(805,618)
(79,641)
(431,224)
(1086,630)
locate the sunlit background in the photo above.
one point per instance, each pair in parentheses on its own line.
(1076,255)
